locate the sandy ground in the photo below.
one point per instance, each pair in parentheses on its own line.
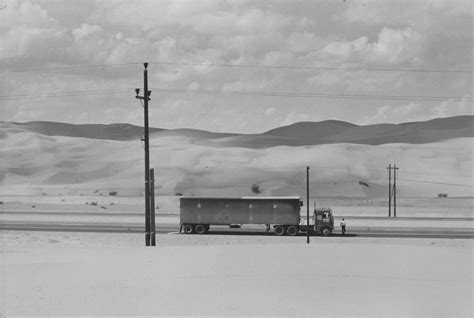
(45,273)
(67,273)
(130,210)
(57,165)
(407,207)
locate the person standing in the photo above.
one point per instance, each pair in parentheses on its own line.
(343,227)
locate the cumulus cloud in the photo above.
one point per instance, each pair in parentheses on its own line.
(270,111)
(295,117)
(25,113)
(85,30)
(393,46)
(28,32)
(34,44)
(210,17)
(450,108)
(35,34)
(25,14)
(403,12)
(418,112)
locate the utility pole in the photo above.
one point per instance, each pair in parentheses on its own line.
(152,207)
(395,191)
(146,98)
(389,190)
(307,204)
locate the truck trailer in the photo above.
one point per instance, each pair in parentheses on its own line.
(197,214)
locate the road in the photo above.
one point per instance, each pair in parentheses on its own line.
(412,232)
(174,214)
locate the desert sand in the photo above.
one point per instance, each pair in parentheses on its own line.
(36,164)
(113,274)
(58,173)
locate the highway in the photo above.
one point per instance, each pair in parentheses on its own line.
(107,227)
(171,214)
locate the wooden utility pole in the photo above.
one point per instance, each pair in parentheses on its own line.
(146,98)
(389,190)
(152,207)
(307,205)
(395,191)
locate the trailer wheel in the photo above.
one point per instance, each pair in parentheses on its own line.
(201,229)
(292,230)
(326,232)
(188,229)
(279,230)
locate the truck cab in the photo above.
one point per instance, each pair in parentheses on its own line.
(323,221)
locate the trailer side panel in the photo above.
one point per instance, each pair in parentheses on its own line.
(247,210)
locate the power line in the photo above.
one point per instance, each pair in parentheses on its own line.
(312,95)
(242,93)
(443,183)
(66,94)
(61,68)
(349,170)
(71,92)
(287,67)
(319,68)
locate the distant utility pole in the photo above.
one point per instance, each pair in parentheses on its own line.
(392,190)
(395,191)
(389,190)
(307,205)
(146,98)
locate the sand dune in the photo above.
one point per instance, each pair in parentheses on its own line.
(95,131)
(309,130)
(298,134)
(56,158)
(34,163)
(328,132)
(192,133)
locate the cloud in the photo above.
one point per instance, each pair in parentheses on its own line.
(418,112)
(210,17)
(403,12)
(28,32)
(295,117)
(393,46)
(270,111)
(42,34)
(25,14)
(35,44)
(85,31)
(25,113)
(450,108)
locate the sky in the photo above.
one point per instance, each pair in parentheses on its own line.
(213,53)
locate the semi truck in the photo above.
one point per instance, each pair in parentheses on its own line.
(198,214)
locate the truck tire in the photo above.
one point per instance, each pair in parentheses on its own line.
(326,231)
(280,230)
(292,230)
(201,229)
(188,228)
